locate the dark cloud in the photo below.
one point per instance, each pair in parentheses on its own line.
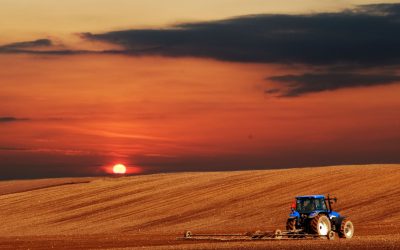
(15,47)
(47,48)
(381,9)
(272,91)
(296,85)
(6,119)
(348,41)
(367,35)
(343,43)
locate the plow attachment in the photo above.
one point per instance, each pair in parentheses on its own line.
(258,235)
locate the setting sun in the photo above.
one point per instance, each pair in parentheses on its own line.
(119,169)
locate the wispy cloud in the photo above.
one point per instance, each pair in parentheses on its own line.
(296,85)
(9,119)
(12,47)
(13,149)
(47,47)
(112,134)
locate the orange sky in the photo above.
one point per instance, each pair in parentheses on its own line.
(76,114)
(150,111)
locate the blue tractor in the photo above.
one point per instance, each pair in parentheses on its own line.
(313,214)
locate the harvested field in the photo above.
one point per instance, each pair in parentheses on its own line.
(152,210)
(17,186)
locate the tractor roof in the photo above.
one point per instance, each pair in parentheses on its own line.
(315,196)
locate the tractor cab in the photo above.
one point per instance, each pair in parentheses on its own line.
(312,205)
(309,204)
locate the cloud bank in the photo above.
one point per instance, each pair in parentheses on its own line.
(368,35)
(343,44)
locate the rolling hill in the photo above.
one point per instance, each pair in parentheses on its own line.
(169,204)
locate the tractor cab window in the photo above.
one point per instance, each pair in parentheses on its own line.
(320,204)
(307,205)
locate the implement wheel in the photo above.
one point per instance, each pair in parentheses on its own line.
(331,235)
(291,224)
(188,234)
(346,229)
(278,234)
(320,225)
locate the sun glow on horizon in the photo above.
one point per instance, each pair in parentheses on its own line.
(119,169)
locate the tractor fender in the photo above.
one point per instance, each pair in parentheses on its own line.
(333,214)
(294,215)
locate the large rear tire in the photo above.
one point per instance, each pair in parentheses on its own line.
(346,229)
(291,224)
(320,225)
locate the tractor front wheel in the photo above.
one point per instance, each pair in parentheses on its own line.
(320,225)
(291,224)
(346,229)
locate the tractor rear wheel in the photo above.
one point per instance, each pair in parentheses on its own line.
(346,229)
(291,224)
(320,225)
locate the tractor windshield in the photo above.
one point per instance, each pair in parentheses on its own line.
(308,205)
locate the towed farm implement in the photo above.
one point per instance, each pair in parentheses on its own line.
(311,217)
